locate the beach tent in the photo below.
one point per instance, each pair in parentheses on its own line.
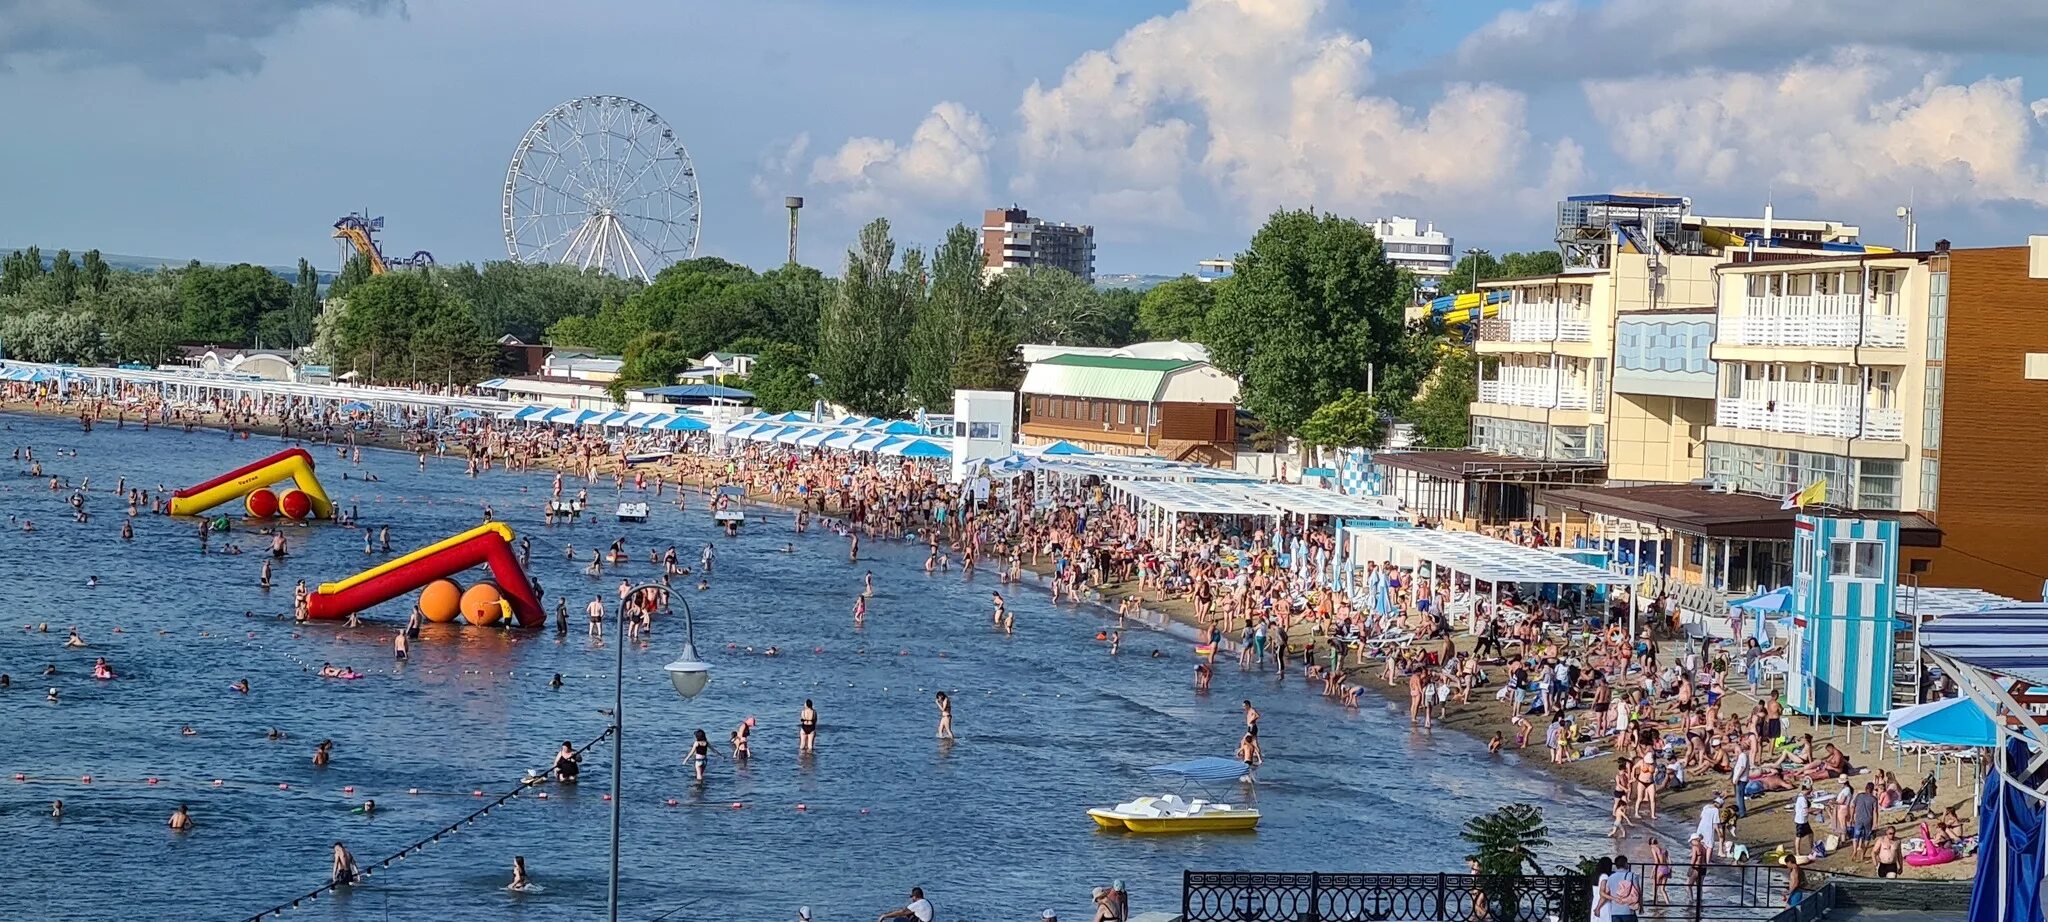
(1948,722)
(493,383)
(685,424)
(533,414)
(655,421)
(1064,447)
(902,427)
(870,442)
(792,417)
(839,441)
(814,438)
(606,419)
(790,435)
(765,433)
(740,431)
(917,448)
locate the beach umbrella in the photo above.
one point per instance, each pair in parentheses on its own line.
(1948,722)
(1062,448)
(355,406)
(686,424)
(922,449)
(465,414)
(903,427)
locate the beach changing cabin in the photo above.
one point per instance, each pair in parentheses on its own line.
(1844,577)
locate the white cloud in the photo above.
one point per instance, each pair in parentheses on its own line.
(181,39)
(1268,102)
(778,168)
(945,163)
(1569,39)
(1854,128)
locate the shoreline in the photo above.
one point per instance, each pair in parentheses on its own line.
(1767,826)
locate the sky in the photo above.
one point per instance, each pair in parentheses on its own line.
(239,130)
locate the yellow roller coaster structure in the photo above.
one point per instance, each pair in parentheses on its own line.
(361,233)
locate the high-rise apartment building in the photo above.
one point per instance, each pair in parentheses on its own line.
(1012,239)
(1419,248)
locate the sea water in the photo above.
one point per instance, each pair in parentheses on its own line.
(992,826)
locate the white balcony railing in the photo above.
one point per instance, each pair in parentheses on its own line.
(1838,321)
(1539,389)
(1540,322)
(1801,408)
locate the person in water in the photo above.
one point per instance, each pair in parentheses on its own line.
(945,705)
(181,819)
(700,753)
(344,870)
(567,764)
(807,728)
(520,881)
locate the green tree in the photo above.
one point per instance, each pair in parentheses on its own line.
(862,357)
(1442,412)
(19,267)
(793,296)
(1311,306)
(1504,846)
(305,305)
(943,320)
(1508,266)
(96,272)
(141,314)
(1353,420)
(64,275)
(1056,306)
(782,379)
(654,359)
(1177,309)
(223,304)
(353,272)
(53,336)
(403,326)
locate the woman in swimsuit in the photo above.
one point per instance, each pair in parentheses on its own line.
(700,752)
(740,736)
(519,879)
(807,728)
(945,705)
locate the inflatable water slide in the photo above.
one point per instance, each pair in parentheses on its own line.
(430,568)
(251,483)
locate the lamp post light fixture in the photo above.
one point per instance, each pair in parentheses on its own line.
(689,674)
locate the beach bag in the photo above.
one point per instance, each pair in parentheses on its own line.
(1625,891)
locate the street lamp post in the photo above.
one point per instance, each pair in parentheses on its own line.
(1474,255)
(689,674)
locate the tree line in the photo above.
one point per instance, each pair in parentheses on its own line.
(1311,322)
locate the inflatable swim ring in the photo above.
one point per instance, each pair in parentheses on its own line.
(1928,854)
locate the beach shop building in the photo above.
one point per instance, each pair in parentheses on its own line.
(1179,409)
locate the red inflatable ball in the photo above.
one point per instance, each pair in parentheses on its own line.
(441,601)
(262,504)
(295,505)
(480,603)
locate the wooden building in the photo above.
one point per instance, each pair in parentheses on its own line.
(1181,410)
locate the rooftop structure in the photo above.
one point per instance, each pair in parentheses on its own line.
(1012,239)
(1419,248)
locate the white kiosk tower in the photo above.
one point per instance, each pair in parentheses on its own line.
(984,427)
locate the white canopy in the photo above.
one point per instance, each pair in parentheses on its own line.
(1181,497)
(1305,500)
(1480,557)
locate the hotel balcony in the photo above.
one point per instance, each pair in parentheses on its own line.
(1801,408)
(1539,322)
(1837,321)
(1538,388)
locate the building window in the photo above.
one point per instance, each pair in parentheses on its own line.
(1856,560)
(1123,414)
(1930,410)
(1937,317)
(1878,485)
(1930,484)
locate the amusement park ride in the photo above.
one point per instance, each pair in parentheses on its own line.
(361,233)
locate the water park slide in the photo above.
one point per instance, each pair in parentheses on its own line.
(1467,307)
(293,463)
(486,544)
(1729,240)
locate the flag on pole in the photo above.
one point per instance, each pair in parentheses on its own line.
(1813,494)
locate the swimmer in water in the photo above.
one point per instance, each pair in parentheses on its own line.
(181,819)
(860,610)
(519,879)
(700,752)
(74,641)
(274,735)
(867,584)
(740,737)
(807,728)
(323,753)
(240,685)
(945,706)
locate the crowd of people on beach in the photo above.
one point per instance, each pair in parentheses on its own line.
(1603,679)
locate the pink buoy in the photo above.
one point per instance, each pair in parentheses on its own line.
(543,795)
(607,797)
(737,805)
(283,786)
(348,789)
(670,802)
(217,782)
(863,811)
(152,781)
(85,779)
(801,807)
(20,777)
(476,793)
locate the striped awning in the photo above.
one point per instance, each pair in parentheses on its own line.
(2011,641)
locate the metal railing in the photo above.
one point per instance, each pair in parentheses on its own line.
(1262,896)
(1834,321)
(1824,418)
(1543,391)
(1718,892)
(1539,322)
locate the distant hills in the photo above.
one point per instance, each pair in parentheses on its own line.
(153,263)
(1132,281)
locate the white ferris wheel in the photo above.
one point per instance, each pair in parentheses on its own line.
(602,182)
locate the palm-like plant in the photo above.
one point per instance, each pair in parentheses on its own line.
(1504,843)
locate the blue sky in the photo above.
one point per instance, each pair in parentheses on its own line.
(240,129)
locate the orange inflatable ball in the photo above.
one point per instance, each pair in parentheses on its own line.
(480,603)
(262,504)
(441,601)
(295,505)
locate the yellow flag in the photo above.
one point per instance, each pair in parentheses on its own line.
(1813,494)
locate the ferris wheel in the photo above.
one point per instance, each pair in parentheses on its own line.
(602,182)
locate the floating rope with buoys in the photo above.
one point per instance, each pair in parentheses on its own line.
(367,870)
